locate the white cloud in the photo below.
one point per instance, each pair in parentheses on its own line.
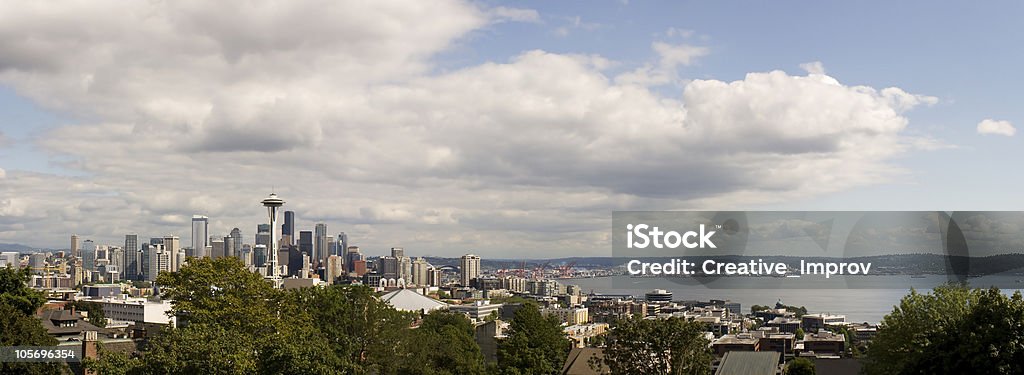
(665,71)
(503,14)
(205,110)
(995,127)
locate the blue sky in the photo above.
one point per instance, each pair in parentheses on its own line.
(422,127)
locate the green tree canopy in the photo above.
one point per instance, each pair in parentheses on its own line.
(952,330)
(535,344)
(454,333)
(800,366)
(14,290)
(657,346)
(18,325)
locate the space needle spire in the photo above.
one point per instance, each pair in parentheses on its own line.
(273,203)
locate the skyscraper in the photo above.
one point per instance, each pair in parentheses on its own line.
(88,252)
(132,266)
(397,252)
(305,243)
(236,244)
(159,261)
(171,246)
(342,246)
(263,235)
(320,250)
(288,228)
(200,229)
(470,268)
(74,246)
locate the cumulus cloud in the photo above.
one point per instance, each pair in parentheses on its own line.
(201,110)
(995,127)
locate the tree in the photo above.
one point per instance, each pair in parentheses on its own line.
(799,333)
(535,344)
(453,332)
(18,326)
(659,346)
(14,290)
(952,330)
(800,366)
(94,310)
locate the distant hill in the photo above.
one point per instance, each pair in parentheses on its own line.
(14,247)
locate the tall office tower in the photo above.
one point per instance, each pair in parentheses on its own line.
(306,242)
(387,266)
(217,246)
(319,244)
(159,261)
(273,203)
(74,246)
(470,268)
(397,252)
(263,235)
(342,246)
(259,255)
(295,260)
(171,246)
(156,241)
(117,259)
(236,245)
(333,268)
(229,247)
(288,228)
(88,252)
(200,232)
(181,259)
(245,254)
(131,257)
(144,253)
(352,254)
(421,272)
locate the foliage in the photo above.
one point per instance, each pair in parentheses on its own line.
(535,344)
(18,326)
(799,333)
(454,333)
(94,310)
(800,366)
(952,330)
(14,290)
(657,346)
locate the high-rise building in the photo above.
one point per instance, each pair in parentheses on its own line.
(88,252)
(333,268)
(156,241)
(288,228)
(159,261)
(263,235)
(229,247)
(320,249)
(259,255)
(352,254)
(342,246)
(217,244)
(305,242)
(245,254)
(117,258)
(236,244)
(200,232)
(470,269)
(421,272)
(74,246)
(171,246)
(131,267)
(397,252)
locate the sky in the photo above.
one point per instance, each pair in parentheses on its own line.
(509,130)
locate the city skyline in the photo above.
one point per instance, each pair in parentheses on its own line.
(494,128)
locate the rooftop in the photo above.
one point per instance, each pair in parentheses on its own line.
(749,363)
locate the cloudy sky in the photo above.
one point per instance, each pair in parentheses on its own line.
(506,129)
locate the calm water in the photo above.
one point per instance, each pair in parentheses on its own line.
(862,304)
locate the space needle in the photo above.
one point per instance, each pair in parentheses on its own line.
(273,203)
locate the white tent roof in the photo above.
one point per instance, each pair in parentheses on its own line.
(408,300)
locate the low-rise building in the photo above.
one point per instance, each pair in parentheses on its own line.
(825,343)
(477,310)
(745,342)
